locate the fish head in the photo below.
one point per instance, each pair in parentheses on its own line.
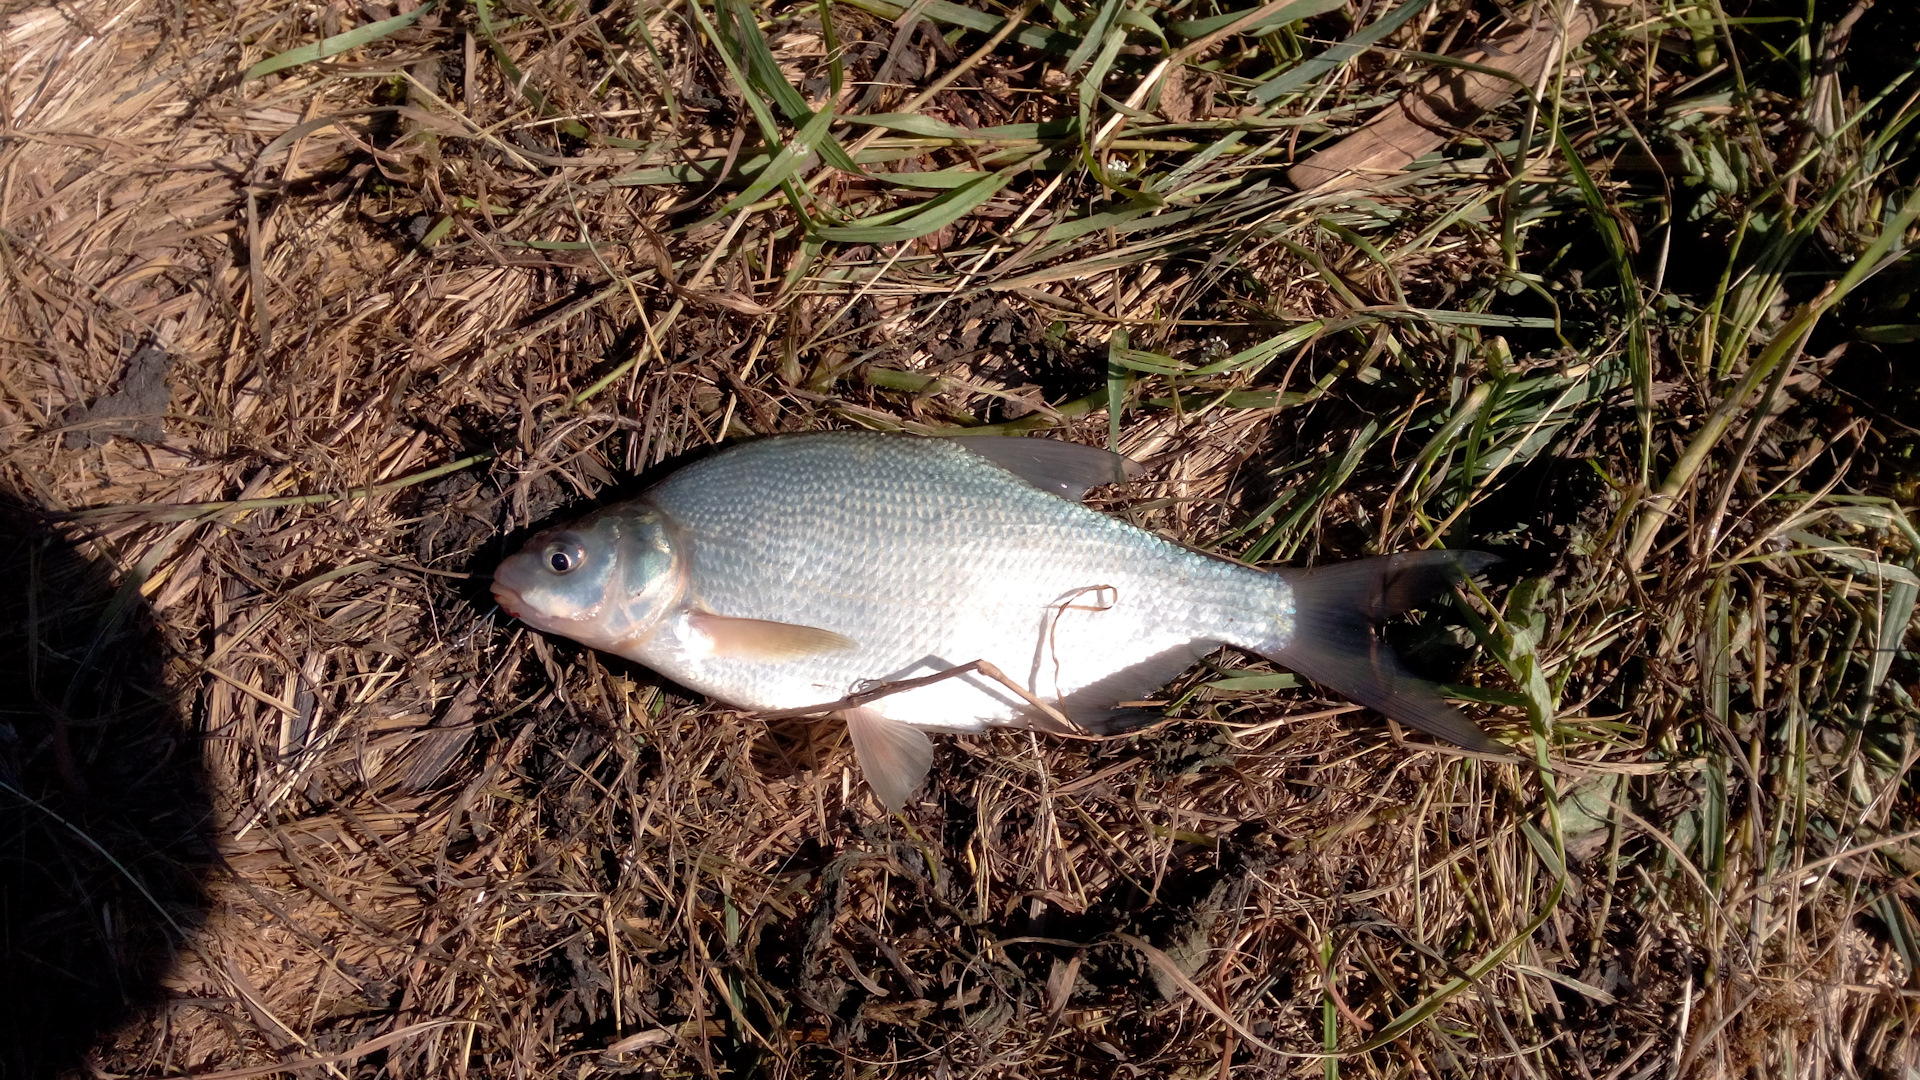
(605,581)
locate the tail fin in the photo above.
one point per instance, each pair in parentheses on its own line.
(1333,642)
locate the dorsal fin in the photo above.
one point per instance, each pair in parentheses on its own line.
(1058,468)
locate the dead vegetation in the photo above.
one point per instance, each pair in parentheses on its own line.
(297,344)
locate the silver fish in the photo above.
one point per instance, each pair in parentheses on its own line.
(798,570)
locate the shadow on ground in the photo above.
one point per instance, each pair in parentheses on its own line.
(104,814)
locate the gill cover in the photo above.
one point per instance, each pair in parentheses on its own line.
(605,581)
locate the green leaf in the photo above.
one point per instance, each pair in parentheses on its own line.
(1300,9)
(1462,318)
(914,124)
(1891,333)
(756,104)
(938,180)
(438,233)
(1265,351)
(764,74)
(1117,220)
(1094,38)
(1332,58)
(927,127)
(892,227)
(1034,37)
(763,71)
(698,172)
(337,44)
(1140,21)
(1151,363)
(1858,560)
(1200,401)
(784,163)
(1117,381)
(1281,681)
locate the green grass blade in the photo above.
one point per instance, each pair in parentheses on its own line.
(784,163)
(914,222)
(1191,29)
(1095,37)
(337,44)
(1311,70)
(1033,37)
(1117,379)
(763,74)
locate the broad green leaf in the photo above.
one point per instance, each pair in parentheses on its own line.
(1142,22)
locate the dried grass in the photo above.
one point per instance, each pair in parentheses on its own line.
(491,267)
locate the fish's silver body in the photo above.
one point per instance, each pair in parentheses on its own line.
(928,557)
(802,570)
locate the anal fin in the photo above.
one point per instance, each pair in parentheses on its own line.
(894,756)
(1097,707)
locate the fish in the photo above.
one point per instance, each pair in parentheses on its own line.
(815,570)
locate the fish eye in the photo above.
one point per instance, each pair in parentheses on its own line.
(564,556)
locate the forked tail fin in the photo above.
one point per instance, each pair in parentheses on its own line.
(1334,644)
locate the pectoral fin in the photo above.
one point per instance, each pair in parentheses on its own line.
(894,756)
(765,640)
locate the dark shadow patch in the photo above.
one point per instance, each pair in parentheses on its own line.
(791,747)
(105,820)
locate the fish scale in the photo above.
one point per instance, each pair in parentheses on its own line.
(797,571)
(928,561)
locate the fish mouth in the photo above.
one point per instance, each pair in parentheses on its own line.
(508,600)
